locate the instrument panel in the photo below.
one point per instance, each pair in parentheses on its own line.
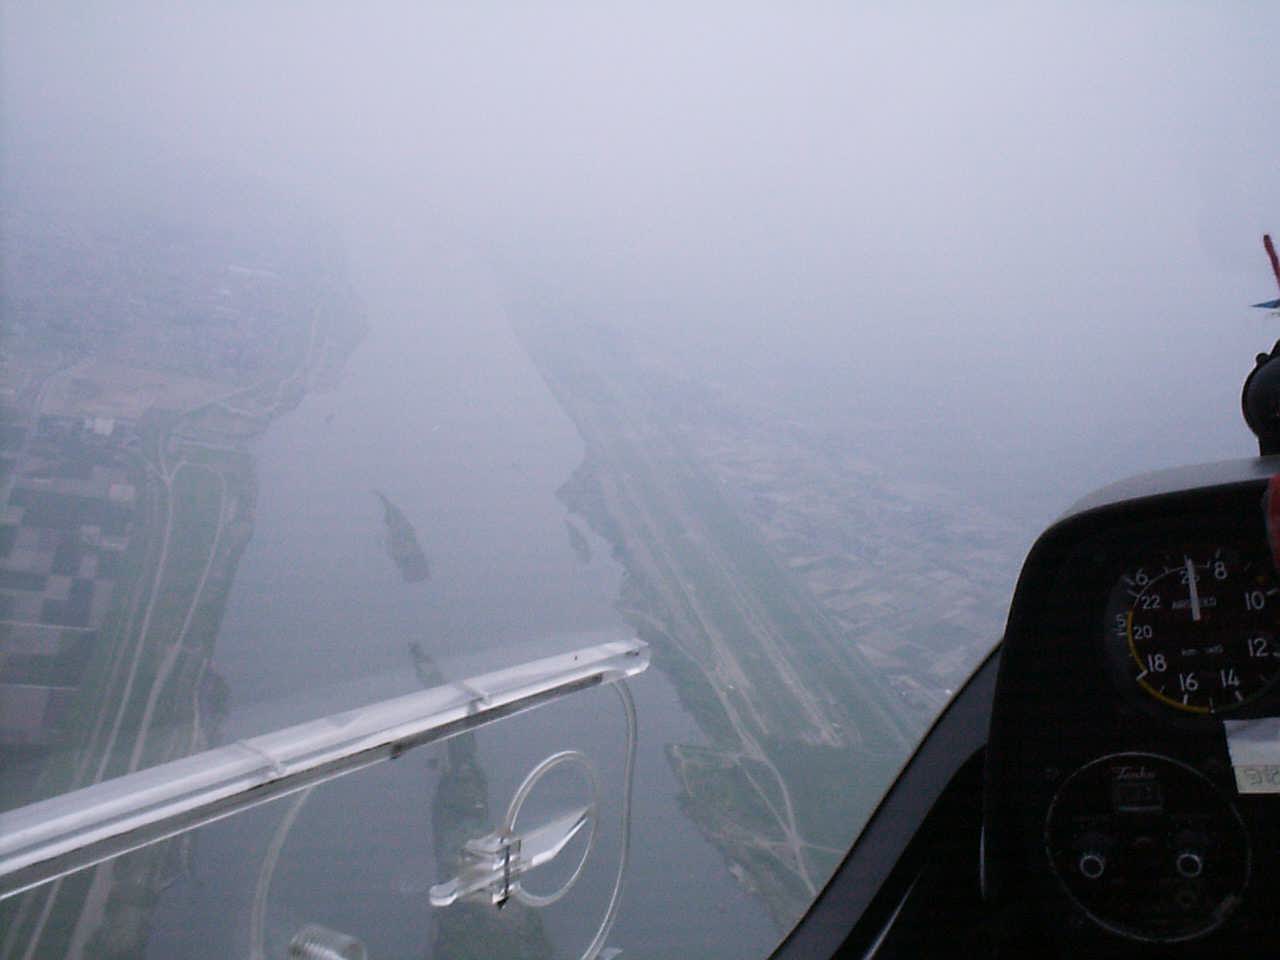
(1193,625)
(1148,848)
(1143,649)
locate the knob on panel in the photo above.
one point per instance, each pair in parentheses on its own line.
(1092,865)
(1147,847)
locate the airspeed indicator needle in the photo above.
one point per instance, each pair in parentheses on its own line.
(1191,585)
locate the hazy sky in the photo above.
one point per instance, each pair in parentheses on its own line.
(1040,223)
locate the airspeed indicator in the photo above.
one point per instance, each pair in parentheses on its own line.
(1197,629)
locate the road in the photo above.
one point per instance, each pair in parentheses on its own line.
(762,667)
(122,692)
(720,660)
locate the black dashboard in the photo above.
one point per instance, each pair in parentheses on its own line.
(1107,783)
(1132,781)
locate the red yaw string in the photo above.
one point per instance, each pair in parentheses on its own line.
(1271,253)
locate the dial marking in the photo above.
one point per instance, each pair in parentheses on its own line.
(1191,585)
(1196,652)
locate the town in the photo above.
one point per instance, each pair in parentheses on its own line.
(140,363)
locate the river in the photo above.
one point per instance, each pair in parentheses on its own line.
(441,410)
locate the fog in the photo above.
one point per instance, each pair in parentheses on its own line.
(1019,241)
(984,258)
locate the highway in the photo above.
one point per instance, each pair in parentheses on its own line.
(760,646)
